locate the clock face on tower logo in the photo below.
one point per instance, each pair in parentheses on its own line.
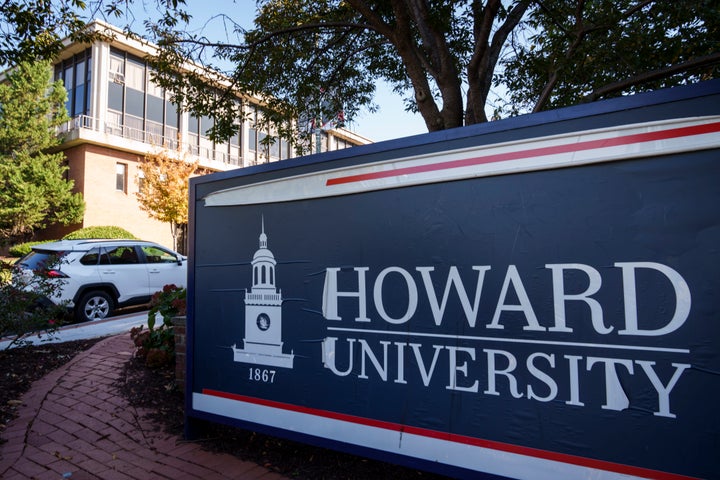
(263,321)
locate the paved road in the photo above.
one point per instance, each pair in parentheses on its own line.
(98,328)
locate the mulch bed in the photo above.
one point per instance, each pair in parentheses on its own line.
(155,389)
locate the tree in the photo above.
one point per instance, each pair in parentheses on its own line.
(163,192)
(32,30)
(33,190)
(585,50)
(306,56)
(461,61)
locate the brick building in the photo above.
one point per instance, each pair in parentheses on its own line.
(118,115)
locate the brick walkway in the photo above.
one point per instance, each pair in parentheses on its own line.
(73,424)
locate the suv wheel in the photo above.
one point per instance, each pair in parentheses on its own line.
(94,305)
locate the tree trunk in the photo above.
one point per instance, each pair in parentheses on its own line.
(174,233)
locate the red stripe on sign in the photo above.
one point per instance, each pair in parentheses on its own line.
(462,439)
(535,152)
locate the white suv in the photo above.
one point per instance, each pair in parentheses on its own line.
(98,276)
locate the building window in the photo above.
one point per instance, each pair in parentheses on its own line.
(76,72)
(235,146)
(263,149)
(207,148)
(121,177)
(228,151)
(275,149)
(260,149)
(284,149)
(255,137)
(193,134)
(155,114)
(140,180)
(137,107)
(135,89)
(321,142)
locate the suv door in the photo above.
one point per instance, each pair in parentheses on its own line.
(163,267)
(122,267)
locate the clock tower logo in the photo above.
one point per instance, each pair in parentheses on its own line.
(263,314)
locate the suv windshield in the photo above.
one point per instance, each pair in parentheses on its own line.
(41,259)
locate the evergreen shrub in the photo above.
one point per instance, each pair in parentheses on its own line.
(100,232)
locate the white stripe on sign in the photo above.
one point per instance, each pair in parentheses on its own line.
(487,456)
(541,153)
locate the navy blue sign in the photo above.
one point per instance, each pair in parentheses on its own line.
(525,306)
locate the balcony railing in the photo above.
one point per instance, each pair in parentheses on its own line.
(151,136)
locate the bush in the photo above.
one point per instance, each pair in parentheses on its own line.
(156,346)
(24,308)
(100,232)
(23,249)
(5,270)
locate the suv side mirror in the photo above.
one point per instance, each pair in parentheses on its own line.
(179,259)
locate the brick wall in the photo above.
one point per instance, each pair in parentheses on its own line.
(180,351)
(92,168)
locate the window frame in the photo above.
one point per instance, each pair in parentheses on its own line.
(121,177)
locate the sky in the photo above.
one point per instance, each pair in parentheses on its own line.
(389,122)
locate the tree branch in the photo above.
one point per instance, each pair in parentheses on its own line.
(484,18)
(276,33)
(496,46)
(376,22)
(652,75)
(579,35)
